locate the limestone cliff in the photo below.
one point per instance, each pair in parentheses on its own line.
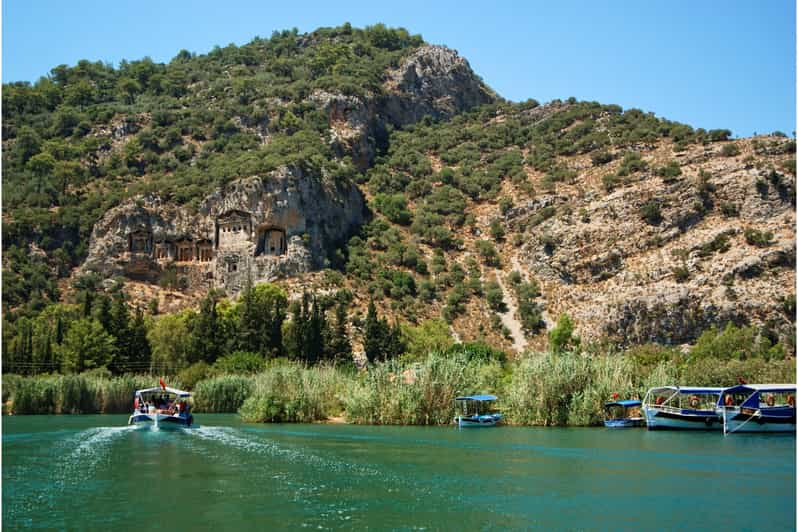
(257,229)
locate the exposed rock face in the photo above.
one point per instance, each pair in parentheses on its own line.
(433,81)
(254,229)
(665,279)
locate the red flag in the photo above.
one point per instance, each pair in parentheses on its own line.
(741,380)
(163,384)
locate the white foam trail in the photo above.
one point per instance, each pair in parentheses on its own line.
(88,449)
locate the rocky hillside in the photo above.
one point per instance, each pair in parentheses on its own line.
(370,161)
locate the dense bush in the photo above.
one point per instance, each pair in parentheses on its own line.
(758,238)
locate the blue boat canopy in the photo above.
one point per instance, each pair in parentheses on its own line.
(751,388)
(477,398)
(626,404)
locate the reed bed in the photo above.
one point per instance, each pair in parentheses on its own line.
(292,392)
(222,394)
(418,394)
(71,394)
(539,389)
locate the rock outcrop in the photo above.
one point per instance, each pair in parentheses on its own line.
(257,229)
(665,274)
(433,81)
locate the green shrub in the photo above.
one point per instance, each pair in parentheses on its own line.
(669,171)
(681,273)
(632,162)
(730,150)
(758,238)
(241,362)
(561,337)
(193,374)
(729,209)
(601,157)
(394,207)
(610,182)
(651,212)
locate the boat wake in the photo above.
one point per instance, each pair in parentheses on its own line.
(86,450)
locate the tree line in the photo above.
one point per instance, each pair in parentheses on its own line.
(100,331)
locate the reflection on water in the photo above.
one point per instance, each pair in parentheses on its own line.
(94,472)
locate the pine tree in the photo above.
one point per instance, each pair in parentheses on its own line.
(314,334)
(119,329)
(101,311)
(140,353)
(339,348)
(206,333)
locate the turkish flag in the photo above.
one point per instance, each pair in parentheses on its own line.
(163,384)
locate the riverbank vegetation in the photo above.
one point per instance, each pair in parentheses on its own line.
(566,388)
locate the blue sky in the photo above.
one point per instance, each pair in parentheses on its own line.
(708,63)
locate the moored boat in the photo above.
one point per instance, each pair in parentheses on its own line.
(475,411)
(758,408)
(623,414)
(162,407)
(682,408)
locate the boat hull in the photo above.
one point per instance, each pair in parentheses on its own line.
(478,421)
(163,421)
(660,419)
(737,420)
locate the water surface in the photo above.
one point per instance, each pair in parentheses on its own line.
(93,472)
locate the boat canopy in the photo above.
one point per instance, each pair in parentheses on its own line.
(158,389)
(752,392)
(750,388)
(626,404)
(689,389)
(477,398)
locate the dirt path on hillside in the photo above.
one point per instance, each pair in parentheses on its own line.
(508,318)
(525,274)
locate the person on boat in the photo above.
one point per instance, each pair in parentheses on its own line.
(729,401)
(791,400)
(660,400)
(770,400)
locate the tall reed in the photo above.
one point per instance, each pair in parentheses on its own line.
(223,394)
(419,394)
(291,392)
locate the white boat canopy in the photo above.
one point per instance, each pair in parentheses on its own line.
(167,389)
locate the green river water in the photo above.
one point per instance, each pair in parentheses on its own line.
(95,473)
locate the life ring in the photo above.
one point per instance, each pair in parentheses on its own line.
(729,401)
(770,401)
(694,401)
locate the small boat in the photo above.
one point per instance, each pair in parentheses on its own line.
(475,411)
(758,408)
(622,414)
(163,407)
(682,408)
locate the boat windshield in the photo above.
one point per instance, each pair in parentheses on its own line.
(617,411)
(697,401)
(163,400)
(468,407)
